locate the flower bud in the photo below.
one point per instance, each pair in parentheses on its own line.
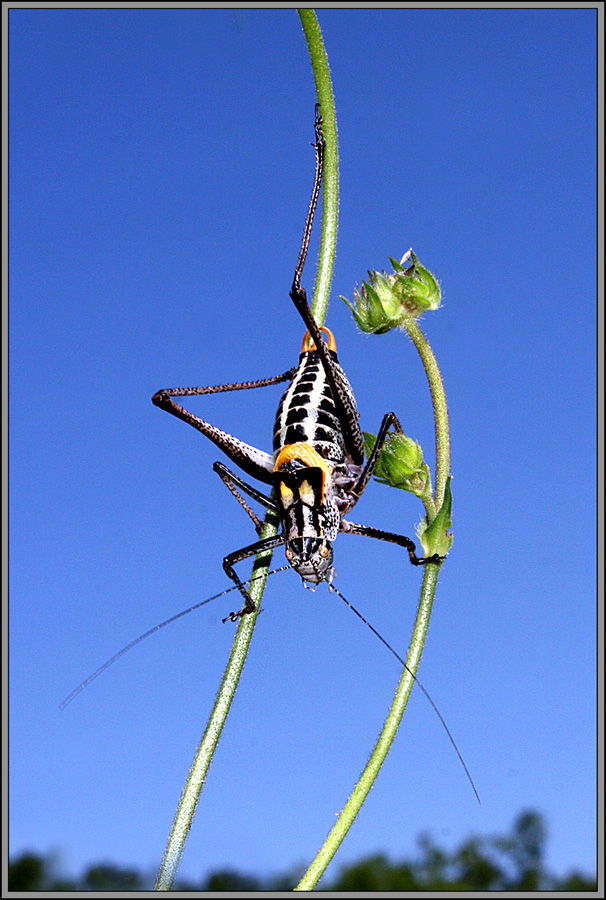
(385,301)
(400,463)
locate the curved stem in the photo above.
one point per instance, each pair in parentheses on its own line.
(431,572)
(197,776)
(440,406)
(386,738)
(210,739)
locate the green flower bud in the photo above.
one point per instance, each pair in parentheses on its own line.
(385,301)
(400,463)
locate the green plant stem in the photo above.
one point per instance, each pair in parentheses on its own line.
(440,406)
(428,589)
(208,744)
(330,200)
(428,501)
(431,571)
(210,739)
(386,738)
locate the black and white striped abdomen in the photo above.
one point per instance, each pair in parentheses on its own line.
(307,414)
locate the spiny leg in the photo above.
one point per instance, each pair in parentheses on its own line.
(254,462)
(400,539)
(319,145)
(230,480)
(237,556)
(345,407)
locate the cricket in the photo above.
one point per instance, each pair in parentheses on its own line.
(317,467)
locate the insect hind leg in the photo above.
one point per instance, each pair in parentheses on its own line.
(319,145)
(252,461)
(344,403)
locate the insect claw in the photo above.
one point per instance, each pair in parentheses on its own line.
(435,558)
(235,616)
(159,398)
(232,617)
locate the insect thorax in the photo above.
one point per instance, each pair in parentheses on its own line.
(307,412)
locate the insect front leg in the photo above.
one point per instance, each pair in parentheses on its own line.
(252,461)
(230,480)
(236,557)
(400,539)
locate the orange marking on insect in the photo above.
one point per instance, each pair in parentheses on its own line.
(308,340)
(306,454)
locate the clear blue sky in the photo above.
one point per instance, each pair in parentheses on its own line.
(160,174)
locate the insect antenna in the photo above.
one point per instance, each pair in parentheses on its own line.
(331,587)
(142,637)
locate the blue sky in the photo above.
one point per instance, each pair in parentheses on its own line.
(160,175)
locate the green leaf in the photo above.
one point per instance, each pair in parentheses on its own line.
(436,537)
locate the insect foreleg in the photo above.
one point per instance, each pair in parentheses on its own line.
(400,539)
(252,461)
(236,557)
(230,480)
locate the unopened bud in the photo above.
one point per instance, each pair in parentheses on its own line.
(400,463)
(385,301)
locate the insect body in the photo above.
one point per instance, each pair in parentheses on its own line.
(317,468)
(313,469)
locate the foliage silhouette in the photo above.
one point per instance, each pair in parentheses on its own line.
(111,878)
(28,873)
(513,862)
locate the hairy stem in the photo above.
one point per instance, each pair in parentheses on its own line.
(440,407)
(431,571)
(386,738)
(330,199)
(210,739)
(197,776)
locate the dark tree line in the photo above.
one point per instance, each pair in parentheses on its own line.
(513,862)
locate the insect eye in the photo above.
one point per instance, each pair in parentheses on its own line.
(324,551)
(289,553)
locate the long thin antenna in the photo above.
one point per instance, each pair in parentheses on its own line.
(142,637)
(331,587)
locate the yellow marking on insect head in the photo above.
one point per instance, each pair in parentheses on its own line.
(306,493)
(286,495)
(309,344)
